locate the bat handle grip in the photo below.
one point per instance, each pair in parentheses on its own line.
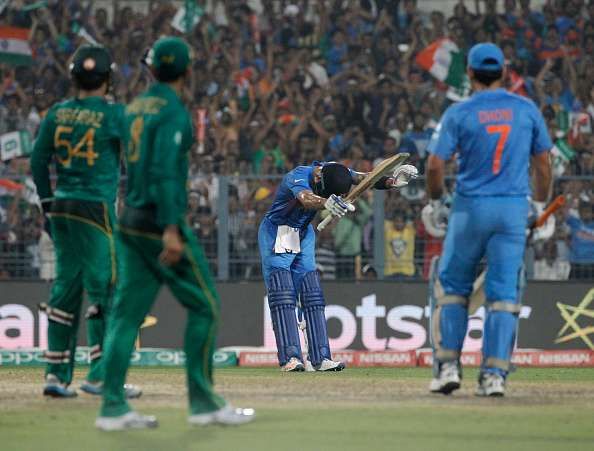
(322,225)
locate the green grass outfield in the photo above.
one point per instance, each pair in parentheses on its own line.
(359,409)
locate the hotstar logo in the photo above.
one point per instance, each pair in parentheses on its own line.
(570,314)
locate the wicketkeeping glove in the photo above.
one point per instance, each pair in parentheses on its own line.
(337,206)
(404,174)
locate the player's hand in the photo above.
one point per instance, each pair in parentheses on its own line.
(543,232)
(535,212)
(337,206)
(435,218)
(173,246)
(403,175)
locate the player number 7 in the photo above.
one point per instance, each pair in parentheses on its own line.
(503,131)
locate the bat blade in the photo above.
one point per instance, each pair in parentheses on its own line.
(386,166)
(383,168)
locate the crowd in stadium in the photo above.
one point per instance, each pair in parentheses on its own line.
(280,83)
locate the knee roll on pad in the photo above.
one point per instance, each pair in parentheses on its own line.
(282,302)
(57,315)
(499,335)
(313,303)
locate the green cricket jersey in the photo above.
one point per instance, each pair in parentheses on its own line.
(83,137)
(157,139)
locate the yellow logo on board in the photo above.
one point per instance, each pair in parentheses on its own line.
(572,330)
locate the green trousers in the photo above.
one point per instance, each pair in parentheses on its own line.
(85,262)
(141,277)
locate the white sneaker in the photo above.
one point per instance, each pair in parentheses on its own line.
(228,415)
(330,365)
(490,384)
(294,364)
(130,420)
(309,367)
(448,379)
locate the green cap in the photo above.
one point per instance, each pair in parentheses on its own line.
(91,60)
(169,58)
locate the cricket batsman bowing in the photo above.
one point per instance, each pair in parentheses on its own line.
(287,247)
(497,137)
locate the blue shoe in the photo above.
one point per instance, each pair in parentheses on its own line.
(56,389)
(96,388)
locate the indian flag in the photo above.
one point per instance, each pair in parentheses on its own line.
(14,46)
(562,154)
(444,60)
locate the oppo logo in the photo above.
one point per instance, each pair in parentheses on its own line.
(409,322)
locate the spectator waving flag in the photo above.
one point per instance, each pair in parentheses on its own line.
(14,145)
(562,154)
(445,61)
(14,46)
(187,16)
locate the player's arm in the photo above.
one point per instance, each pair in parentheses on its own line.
(311,201)
(442,147)
(540,162)
(40,161)
(542,176)
(435,177)
(169,146)
(336,205)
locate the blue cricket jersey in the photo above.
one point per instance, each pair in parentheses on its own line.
(493,133)
(286,208)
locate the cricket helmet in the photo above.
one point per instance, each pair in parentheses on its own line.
(335,179)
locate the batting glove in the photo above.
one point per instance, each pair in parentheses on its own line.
(404,174)
(337,206)
(543,232)
(435,217)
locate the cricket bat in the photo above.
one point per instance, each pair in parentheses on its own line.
(477,297)
(385,167)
